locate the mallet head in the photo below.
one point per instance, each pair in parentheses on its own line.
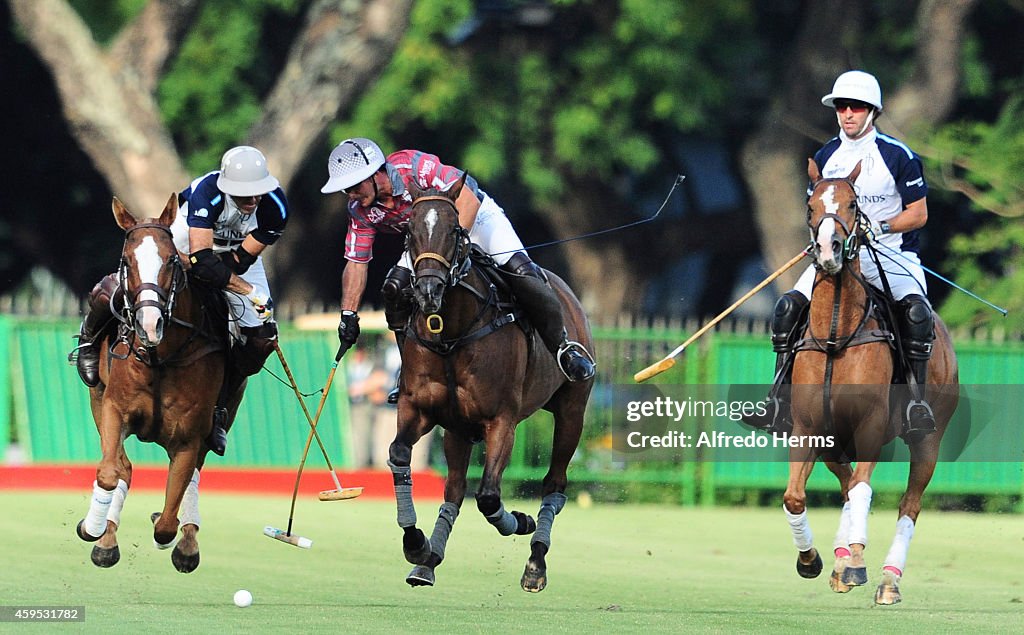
(342,494)
(291,539)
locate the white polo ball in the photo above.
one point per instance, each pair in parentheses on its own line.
(243,598)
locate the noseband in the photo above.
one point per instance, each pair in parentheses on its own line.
(455,269)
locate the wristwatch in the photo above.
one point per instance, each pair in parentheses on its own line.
(885,227)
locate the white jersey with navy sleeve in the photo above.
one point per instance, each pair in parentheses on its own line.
(202,204)
(891,177)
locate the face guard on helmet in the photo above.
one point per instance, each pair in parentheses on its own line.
(244,172)
(351,163)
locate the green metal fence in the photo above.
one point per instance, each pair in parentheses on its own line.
(45,406)
(52,421)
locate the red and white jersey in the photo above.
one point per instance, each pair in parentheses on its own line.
(401,167)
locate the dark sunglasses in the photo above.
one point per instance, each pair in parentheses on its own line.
(351,188)
(855,106)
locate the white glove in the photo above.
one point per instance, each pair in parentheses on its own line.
(264,306)
(872,229)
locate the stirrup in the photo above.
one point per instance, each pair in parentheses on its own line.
(777,418)
(925,420)
(569,350)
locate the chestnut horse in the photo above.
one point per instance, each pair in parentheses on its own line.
(160,374)
(469,367)
(842,391)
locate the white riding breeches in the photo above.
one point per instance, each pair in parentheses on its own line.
(902,271)
(492,231)
(239,307)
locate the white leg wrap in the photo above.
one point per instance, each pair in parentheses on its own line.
(96,520)
(117,502)
(897,556)
(802,537)
(842,538)
(860,505)
(190,502)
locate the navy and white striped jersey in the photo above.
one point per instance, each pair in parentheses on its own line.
(210,208)
(891,178)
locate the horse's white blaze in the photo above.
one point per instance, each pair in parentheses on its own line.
(826,231)
(147,257)
(431,221)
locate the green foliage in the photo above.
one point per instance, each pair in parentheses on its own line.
(212,93)
(106,17)
(986,160)
(531,107)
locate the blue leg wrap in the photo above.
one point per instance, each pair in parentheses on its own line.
(403,495)
(443,528)
(549,508)
(503,521)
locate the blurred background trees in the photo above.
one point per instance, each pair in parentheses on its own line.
(576,115)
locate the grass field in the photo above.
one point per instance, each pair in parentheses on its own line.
(615,568)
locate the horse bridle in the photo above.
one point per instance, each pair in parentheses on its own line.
(455,269)
(167,297)
(851,244)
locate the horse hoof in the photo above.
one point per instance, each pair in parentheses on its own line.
(525,524)
(106,558)
(811,569)
(416,554)
(855,576)
(835,581)
(888,592)
(184,563)
(420,576)
(535,578)
(83,534)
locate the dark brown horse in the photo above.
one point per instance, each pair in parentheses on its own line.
(160,374)
(468,366)
(842,394)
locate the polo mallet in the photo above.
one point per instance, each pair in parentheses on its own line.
(326,495)
(669,361)
(342,494)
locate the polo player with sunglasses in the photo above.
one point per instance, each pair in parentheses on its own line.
(891,193)
(379,201)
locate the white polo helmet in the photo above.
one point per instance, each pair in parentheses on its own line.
(353,161)
(244,172)
(855,85)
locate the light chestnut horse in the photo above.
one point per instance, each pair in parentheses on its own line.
(842,390)
(160,374)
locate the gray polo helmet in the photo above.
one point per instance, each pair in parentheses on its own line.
(856,85)
(352,162)
(244,172)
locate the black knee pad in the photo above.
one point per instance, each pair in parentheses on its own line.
(259,344)
(395,293)
(917,325)
(789,314)
(521,265)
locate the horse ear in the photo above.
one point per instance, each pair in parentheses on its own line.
(125,219)
(813,172)
(455,190)
(415,191)
(170,211)
(856,172)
